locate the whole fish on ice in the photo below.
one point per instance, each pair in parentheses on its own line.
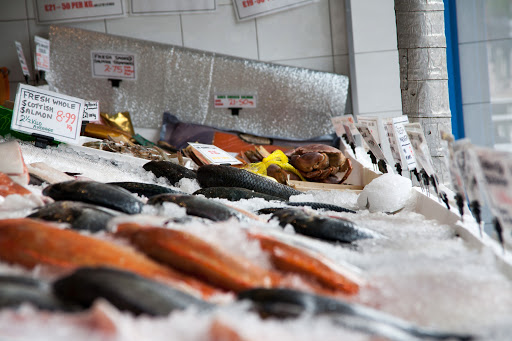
(79,215)
(288,303)
(96,193)
(169,170)
(125,290)
(227,176)
(321,227)
(197,206)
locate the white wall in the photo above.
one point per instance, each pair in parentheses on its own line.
(474,72)
(312,36)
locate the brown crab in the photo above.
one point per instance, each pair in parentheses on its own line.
(320,163)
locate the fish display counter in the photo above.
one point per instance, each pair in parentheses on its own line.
(93,247)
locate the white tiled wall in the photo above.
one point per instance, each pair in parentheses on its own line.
(312,36)
(373,55)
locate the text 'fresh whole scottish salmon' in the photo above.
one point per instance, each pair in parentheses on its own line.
(227,176)
(96,193)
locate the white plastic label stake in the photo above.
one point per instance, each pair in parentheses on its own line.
(406,148)
(419,144)
(21,58)
(113,65)
(42,53)
(467,164)
(364,130)
(47,113)
(393,145)
(339,121)
(214,154)
(350,137)
(497,173)
(91,111)
(373,125)
(235,101)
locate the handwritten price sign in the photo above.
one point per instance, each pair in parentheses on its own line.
(21,58)
(235,101)
(42,53)
(57,11)
(249,9)
(214,154)
(113,65)
(47,113)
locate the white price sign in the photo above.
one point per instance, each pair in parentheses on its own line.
(57,11)
(393,144)
(113,65)
(42,53)
(467,163)
(405,144)
(372,123)
(364,130)
(346,120)
(419,144)
(235,101)
(497,174)
(214,154)
(176,6)
(21,58)
(47,113)
(250,9)
(91,111)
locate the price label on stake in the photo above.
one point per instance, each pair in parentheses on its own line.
(113,65)
(370,141)
(42,53)
(234,101)
(419,144)
(393,145)
(406,149)
(47,113)
(467,164)
(350,137)
(214,154)
(373,125)
(496,167)
(21,58)
(340,121)
(91,111)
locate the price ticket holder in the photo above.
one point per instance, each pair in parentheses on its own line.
(234,102)
(42,141)
(47,116)
(115,82)
(235,111)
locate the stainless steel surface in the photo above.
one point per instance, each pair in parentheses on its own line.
(292,102)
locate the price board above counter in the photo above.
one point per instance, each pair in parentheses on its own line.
(234,101)
(47,113)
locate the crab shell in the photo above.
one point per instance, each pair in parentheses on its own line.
(320,162)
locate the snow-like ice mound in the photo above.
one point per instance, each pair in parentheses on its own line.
(387,193)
